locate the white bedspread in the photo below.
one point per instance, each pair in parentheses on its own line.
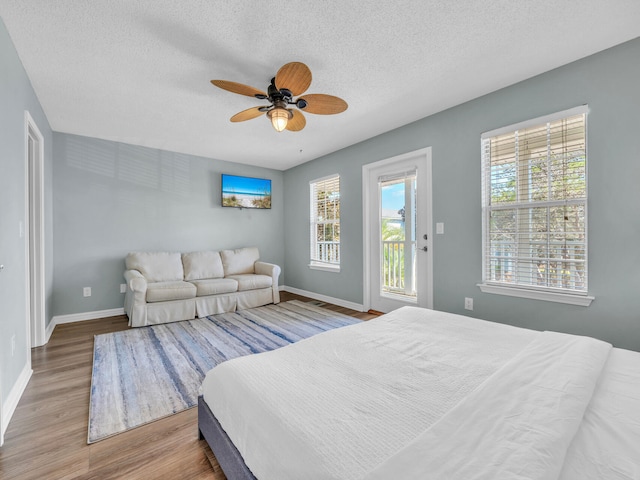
(338,404)
(419,394)
(516,425)
(607,445)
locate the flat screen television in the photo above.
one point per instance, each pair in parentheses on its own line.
(245,192)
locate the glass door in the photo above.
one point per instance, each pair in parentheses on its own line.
(398,236)
(397,198)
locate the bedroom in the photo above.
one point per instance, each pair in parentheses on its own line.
(92,220)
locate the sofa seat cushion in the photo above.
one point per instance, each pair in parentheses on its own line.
(251,281)
(166,291)
(215,286)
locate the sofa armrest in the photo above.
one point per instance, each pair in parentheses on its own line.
(270,269)
(135,299)
(136,281)
(273,271)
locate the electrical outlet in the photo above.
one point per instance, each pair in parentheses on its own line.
(123,288)
(86,292)
(468,303)
(13,344)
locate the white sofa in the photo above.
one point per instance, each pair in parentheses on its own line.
(167,287)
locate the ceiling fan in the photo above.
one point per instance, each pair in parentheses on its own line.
(292,80)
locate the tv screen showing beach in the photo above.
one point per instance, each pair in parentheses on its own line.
(245,192)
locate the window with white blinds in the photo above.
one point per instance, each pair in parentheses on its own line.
(325,223)
(534,204)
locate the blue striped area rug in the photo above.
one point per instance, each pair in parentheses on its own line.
(144,374)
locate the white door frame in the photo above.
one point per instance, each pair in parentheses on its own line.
(34,233)
(366,215)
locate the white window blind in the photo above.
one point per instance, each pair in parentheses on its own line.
(534,192)
(325,221)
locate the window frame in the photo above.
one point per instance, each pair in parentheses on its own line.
(315,263)
(546,292)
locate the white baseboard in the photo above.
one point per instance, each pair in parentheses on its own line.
(80,317)
(9,407)
(324,298)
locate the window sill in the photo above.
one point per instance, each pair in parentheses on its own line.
(580,300)
(325,267)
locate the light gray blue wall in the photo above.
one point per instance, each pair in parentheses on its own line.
(112,198)
(16,96)
(608,83)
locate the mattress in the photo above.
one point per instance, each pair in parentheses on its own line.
(375,400)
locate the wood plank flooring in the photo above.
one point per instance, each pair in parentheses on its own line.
(47,436)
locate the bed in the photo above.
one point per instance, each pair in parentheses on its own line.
(418,393)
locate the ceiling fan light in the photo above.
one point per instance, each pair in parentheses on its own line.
(279,118)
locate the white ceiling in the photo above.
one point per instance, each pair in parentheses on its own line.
(139,71)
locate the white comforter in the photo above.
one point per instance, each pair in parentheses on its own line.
(412,394)
(607,445)
(516,425)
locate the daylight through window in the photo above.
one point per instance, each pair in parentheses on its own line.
(535,204)
(325,223)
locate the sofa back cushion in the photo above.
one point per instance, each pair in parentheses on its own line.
(239,261)
(201,265)
(156,266)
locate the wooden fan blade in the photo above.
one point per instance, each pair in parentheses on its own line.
(297,122)
(247,114)
(322,104)
(295,77)
(238,88)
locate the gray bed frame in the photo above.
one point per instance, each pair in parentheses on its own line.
(226,453)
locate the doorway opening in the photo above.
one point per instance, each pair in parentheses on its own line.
(34,232)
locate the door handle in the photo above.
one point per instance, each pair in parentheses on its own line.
(424,249)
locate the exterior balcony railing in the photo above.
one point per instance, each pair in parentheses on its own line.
(398,269)
(557,264)
(328,252)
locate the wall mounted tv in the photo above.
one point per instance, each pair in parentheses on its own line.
(245,192)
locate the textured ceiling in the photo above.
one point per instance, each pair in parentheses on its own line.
(139,71)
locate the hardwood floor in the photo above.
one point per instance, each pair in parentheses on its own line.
(47,436)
